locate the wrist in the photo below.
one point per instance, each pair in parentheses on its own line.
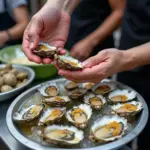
(5,36)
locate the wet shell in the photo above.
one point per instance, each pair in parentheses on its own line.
(45,50)
(79,115)
(121,96)
(127,109)
(108,128)
(70,85)
(68,63)
(56,101)
(62,135)
(88,85)
(51,115)
(95,101)
(28,114)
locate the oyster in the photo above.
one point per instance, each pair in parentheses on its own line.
(49,90)
(28,114)
(108,128)
(79,115)
(88,85)
(95,101)
(103,88)
(121,96)
(77,93)
(62,135)
(56,101)
(127,109)
(70,85)
(45,50)
(51,115)
(68,63)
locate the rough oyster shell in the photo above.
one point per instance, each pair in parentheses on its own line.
(70,85)
(108,128)
(79,115)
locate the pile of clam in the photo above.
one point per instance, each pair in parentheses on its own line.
(54,109)
(11,78)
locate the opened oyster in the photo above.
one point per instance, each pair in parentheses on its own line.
(56,101)
(62,135)
(45,50)
(28,114)
(49,90)
(88,85)
(51,115)
(77,93)
(103,88)
(127,109)
(121,96)
(79,115)
(70,85)
(108,128)
(68,63)
(95,101)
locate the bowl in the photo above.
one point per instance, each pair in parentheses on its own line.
(41,71)
(17,91)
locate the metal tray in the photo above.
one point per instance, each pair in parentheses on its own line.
(139,126)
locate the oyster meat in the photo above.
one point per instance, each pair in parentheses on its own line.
(79,115)
(95,101)
(127,109)
(88,85)
(70,85)
(49,90)
(45,50)
(56,101)
(62,135)
(51,115)
(108,128)
(28,114)
(68,63)
(121,96)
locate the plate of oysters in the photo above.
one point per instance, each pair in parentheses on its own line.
(61,114)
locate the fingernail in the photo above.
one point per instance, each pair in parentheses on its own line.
(31,45)
(85,63)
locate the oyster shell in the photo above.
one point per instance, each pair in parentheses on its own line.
(28,114)
(56,101)
(79,115)
(45,50)
(121,96)
(88,85)
(103,88)
(49,90)
(51,115)
(77,93)
(108,128)
(95,101)
(70,85)
(68,63)
(62,135)
(127,109)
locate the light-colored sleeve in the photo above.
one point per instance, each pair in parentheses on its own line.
(16,3)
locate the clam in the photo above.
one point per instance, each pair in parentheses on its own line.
(95,101)
(127,109)
(79,115)
(68,63)
(51,115)
(70,85)
(49,90)
(28,114)
(62,135)
(45,50)
(108,128)
(121,96)
(56,101)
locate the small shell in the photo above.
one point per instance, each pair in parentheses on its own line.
(70,85)
(79,115)
(49,90)
(121,96)
(51,115)
(95,101)
(127,109)
(88,85)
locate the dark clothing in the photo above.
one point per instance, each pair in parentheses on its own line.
(136,31)
(87,17)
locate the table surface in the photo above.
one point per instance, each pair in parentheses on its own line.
(4,133)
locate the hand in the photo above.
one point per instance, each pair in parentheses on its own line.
(3,38)
(99,67)
(51,25)
(82,50)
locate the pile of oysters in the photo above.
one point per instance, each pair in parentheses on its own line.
(11,78)
(54,109)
